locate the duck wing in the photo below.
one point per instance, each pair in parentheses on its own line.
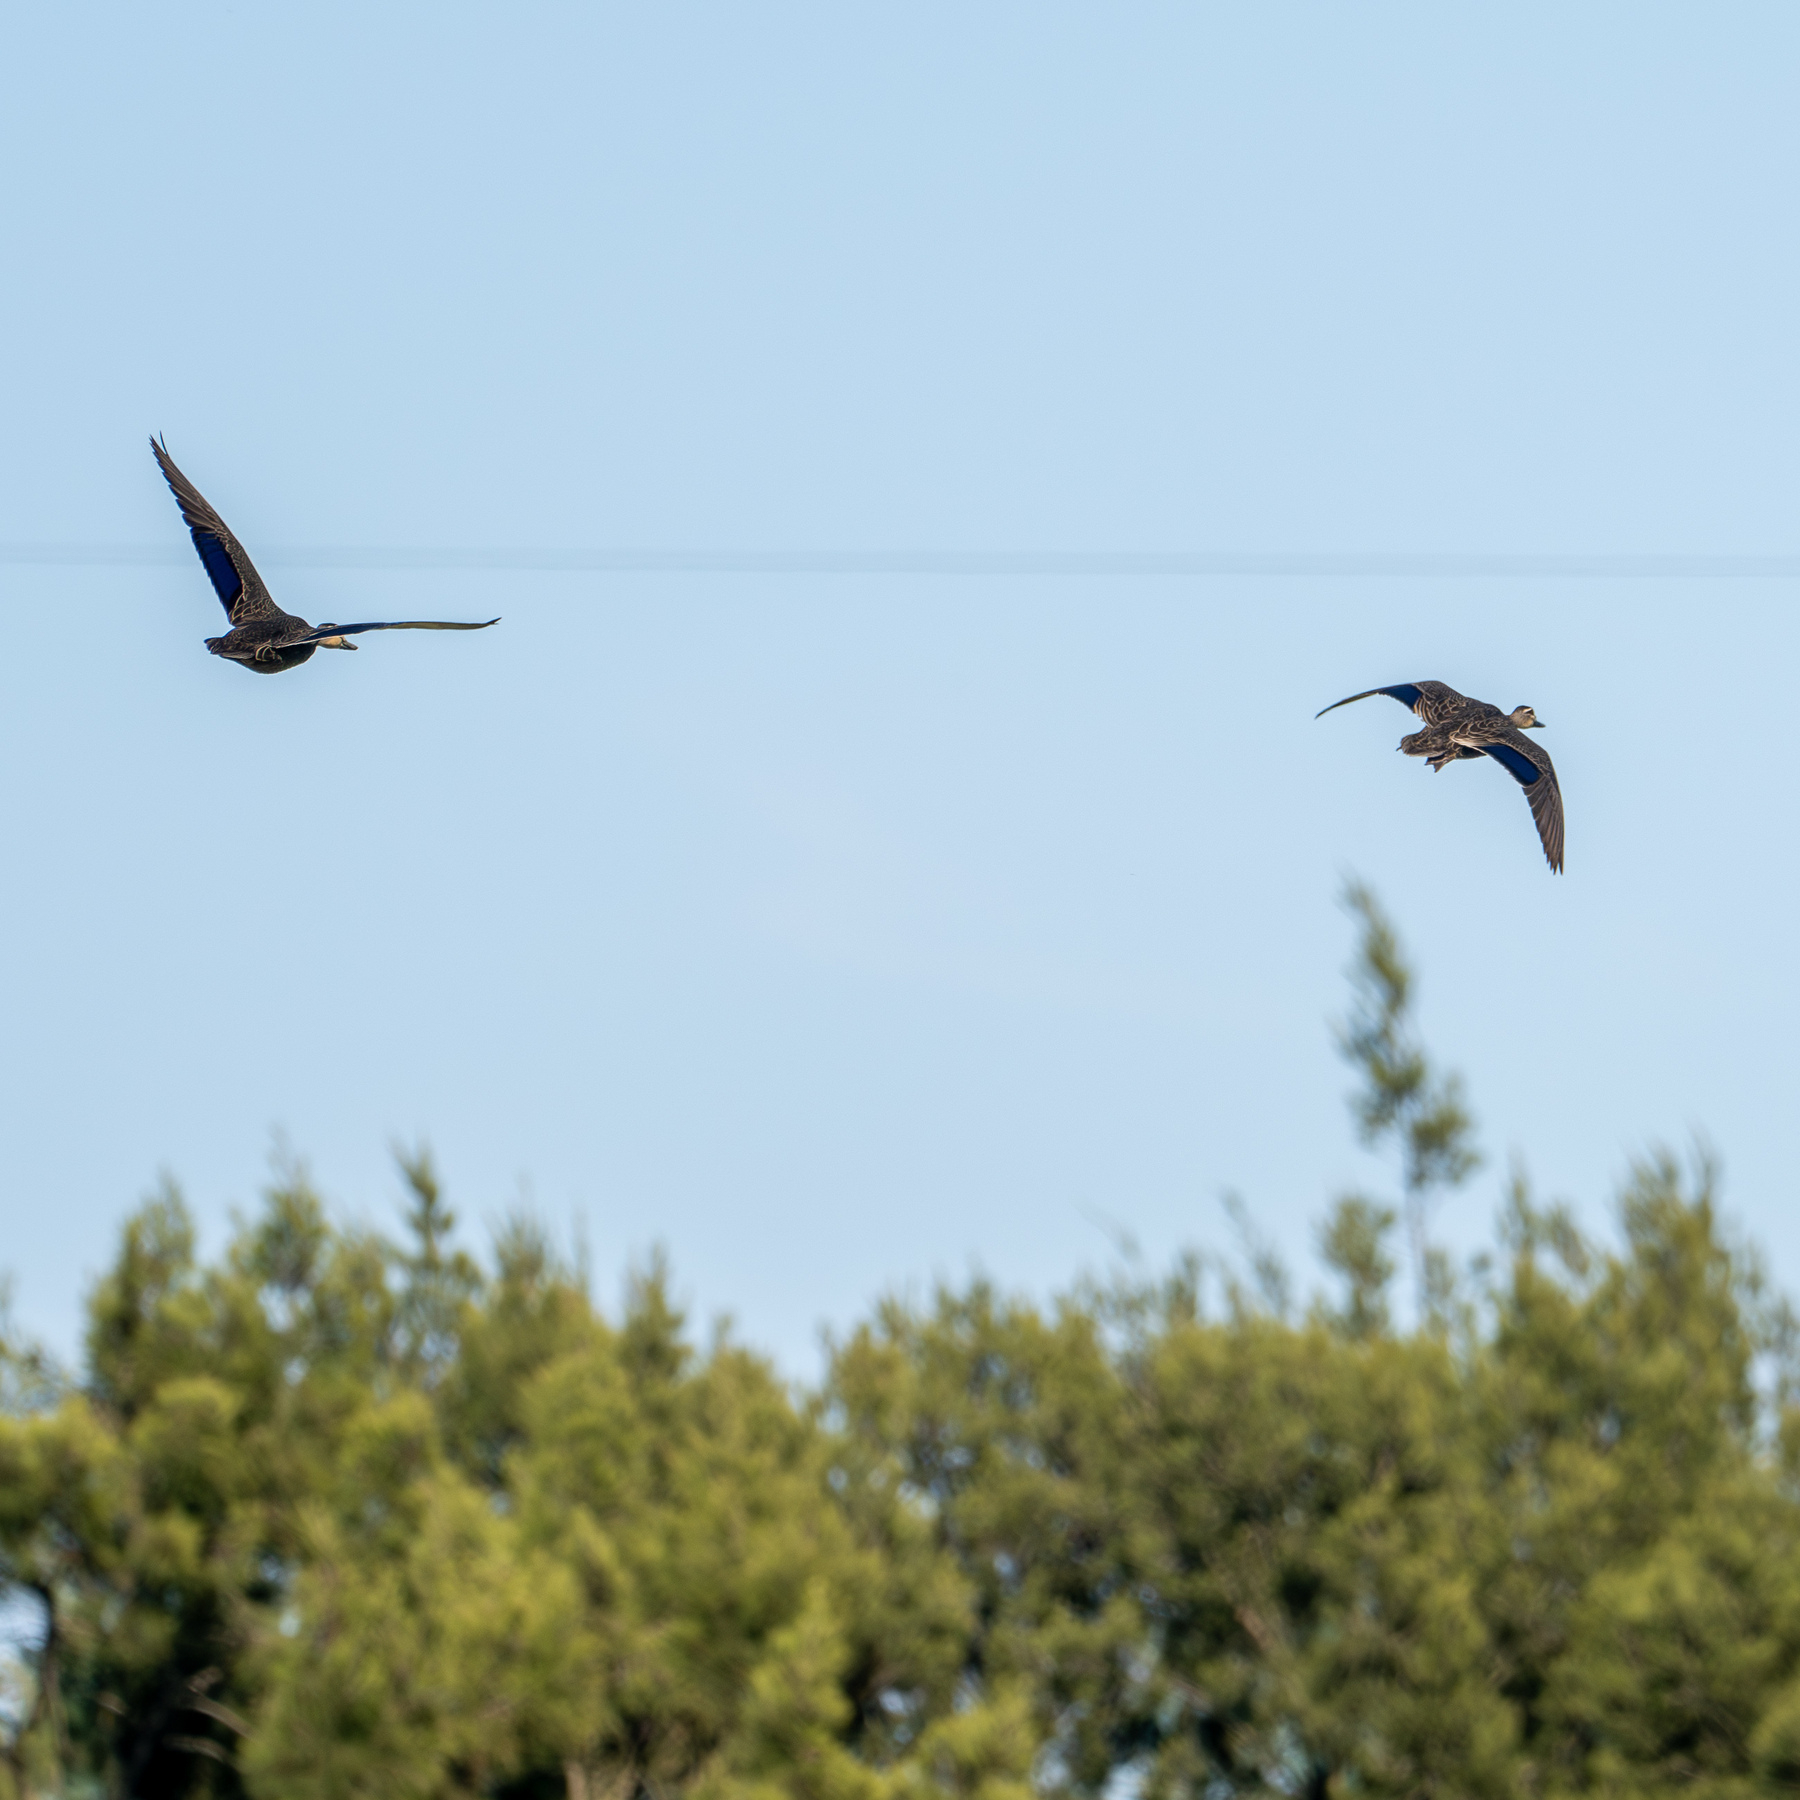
(1433,701)
(242,592)
(1529,764)
(317,632)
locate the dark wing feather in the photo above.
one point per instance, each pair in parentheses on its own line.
(1406,692)
(241,590)
(1515,762)
(325,631)
(1530,766)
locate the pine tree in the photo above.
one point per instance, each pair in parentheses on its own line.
(1403,1101)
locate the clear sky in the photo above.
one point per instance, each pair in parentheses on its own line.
(839,930)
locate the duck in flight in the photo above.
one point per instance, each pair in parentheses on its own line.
(1457,727)
(262,637)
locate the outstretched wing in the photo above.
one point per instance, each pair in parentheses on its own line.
(325,631)
(1406,692)
(1433,701)
(240,589)
(1530,766)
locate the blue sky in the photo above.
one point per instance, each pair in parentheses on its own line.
(840,930)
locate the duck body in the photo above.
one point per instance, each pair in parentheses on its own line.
(264,646)
(263,638)
(1458,728)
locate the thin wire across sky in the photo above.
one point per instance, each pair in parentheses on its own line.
(1403,565)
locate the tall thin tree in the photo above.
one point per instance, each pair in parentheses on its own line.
(1402,1102)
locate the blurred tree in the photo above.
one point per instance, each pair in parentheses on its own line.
(331,1516)
(63,1483)
(1354,1243)
(736,1601)
(1403,1101)
(232,1390)
(439,1284)
(426,1650)
(1642,1594)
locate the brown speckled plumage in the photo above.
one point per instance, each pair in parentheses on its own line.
(1457,728)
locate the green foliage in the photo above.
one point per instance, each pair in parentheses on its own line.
(328,1516)
(427,1649)
(1402,1100)
(438,1287)
(1354,1243)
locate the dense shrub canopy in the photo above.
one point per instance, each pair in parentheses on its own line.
(333,1517)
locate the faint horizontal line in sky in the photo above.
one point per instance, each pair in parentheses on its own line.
(1626,566)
